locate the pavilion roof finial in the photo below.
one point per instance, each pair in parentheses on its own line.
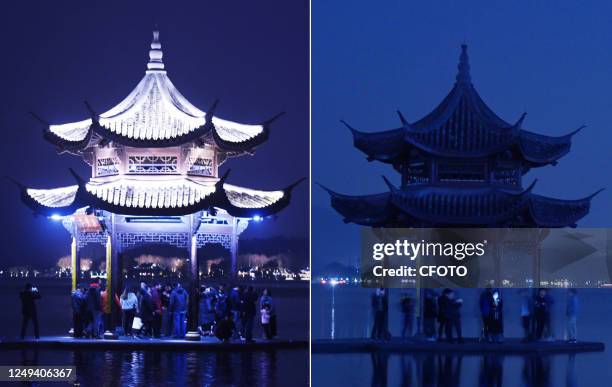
(155,54)
(463,76)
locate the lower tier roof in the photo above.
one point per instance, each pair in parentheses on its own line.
(151,197)
(439,206)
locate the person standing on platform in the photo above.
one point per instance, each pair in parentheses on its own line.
(157,310)
(145,310)
(496,317)
(77,301)
(236,305)
(129,304)
(442,311)
(28,309)
(266,300)
(571,312)
(526,314)
(179,301)
(407,305)
(207,311)
(94,311)
(250,310)
(430,313)
(378,312)
(105,321)
(486,299)
(452,316)
(166,315)
(541,311)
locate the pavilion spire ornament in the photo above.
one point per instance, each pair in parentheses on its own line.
(155,54)
(463,75)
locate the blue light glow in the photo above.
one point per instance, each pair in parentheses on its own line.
(257,218)
(56,217)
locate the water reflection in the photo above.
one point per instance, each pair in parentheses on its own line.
(450,370)
(161,368)
(491,370)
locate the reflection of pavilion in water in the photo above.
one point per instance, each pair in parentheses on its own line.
(155,179)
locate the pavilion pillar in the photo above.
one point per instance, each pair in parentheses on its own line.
(234,250)
(74,264)
(194,293)
(111,289)
(114,269)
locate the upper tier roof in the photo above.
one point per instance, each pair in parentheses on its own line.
(462,125)
(156,114)
(177,196)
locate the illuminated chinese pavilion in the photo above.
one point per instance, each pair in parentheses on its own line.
(461,166)
(155,162)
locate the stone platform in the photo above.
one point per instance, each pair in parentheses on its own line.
(509,346)
(128,343)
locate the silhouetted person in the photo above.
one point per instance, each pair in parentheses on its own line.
(156,323)
(452,315)
(407,306)
(224,328)
(77,302)
(541,311)
(236,309)
(166,315)
(266,299)
(526,314)
(207,311)
(179,302)
(28,309)
(442,310)
(484,304)
(265,320)
(250,310)
(94,311)
(379,312)
(571,313)
(129,305)
(496,317)
(145,310)
(430,313)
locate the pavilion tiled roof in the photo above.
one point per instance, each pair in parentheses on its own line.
(156,114)
(462,125)
(177,196)
(431,206)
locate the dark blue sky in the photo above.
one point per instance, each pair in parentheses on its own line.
(552,60)
(253,56)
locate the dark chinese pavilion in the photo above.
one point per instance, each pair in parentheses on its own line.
(461,166)
(155,161)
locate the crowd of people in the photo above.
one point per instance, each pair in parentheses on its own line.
(161,311)
(441,314)
(230,313)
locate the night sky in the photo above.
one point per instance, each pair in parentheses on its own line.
(253,56)
(552,60)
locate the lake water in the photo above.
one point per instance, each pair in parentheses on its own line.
(162,368)
(168,368)
(352,318)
